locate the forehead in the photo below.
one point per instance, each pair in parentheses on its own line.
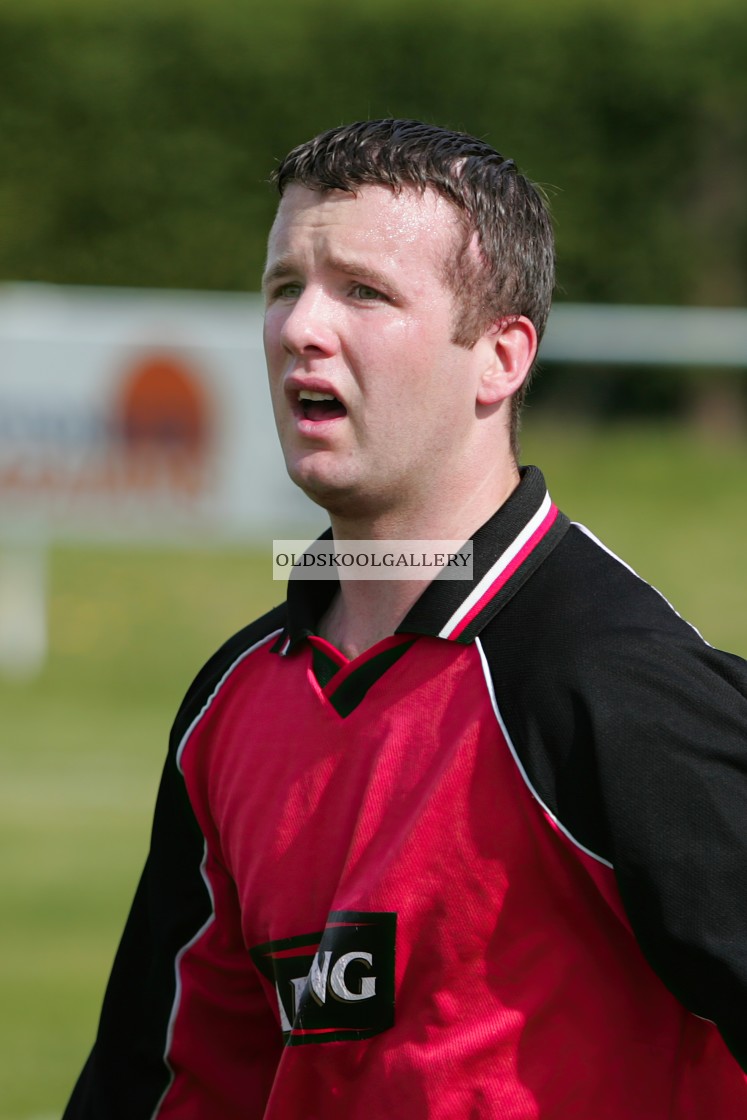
(375,221)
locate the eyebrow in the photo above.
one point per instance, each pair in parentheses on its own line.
(284,267)
(279,270)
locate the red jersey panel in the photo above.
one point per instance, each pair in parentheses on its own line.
(518,988)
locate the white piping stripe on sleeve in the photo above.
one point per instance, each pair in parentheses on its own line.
(216,690)
(203,872)
(559,824)
(500,565)
(588,533)
(178,992)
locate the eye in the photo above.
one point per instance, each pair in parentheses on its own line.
(366,292)
(291,289)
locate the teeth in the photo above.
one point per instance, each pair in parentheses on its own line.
(310,395)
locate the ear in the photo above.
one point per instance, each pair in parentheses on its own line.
(509,347)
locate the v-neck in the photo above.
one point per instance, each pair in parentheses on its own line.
(344,682)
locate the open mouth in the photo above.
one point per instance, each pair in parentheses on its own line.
(320,406)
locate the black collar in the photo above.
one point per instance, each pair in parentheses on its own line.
(507,549)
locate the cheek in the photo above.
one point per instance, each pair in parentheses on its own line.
(404,351)
(271,333)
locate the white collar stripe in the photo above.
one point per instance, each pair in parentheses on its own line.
(497,570)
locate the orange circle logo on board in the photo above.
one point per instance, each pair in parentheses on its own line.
(164,419)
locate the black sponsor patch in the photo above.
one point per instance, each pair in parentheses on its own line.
(337,983)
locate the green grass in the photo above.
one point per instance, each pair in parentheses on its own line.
(82,744)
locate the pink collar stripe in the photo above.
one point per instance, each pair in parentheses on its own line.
(505,566)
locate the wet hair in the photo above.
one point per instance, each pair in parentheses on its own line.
(513,272)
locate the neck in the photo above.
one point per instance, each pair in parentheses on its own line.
(366,611)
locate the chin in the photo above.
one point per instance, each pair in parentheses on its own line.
(342,499)
(326,492)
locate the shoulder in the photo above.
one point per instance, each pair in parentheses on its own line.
(212,672)
(583,606)
(606,691)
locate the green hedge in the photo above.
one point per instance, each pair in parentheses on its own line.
(135,142)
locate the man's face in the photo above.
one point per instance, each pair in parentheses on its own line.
(374,403)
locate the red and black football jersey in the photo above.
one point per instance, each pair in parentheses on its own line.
(494,866)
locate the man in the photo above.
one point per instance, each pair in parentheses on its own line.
(436,849)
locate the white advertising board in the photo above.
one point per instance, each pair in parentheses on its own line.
(139,415)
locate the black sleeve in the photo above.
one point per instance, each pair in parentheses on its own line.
(126,1074)
(633,731)
(672,773)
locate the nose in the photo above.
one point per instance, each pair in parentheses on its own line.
(309,327)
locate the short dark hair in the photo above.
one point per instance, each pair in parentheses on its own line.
(516,274)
